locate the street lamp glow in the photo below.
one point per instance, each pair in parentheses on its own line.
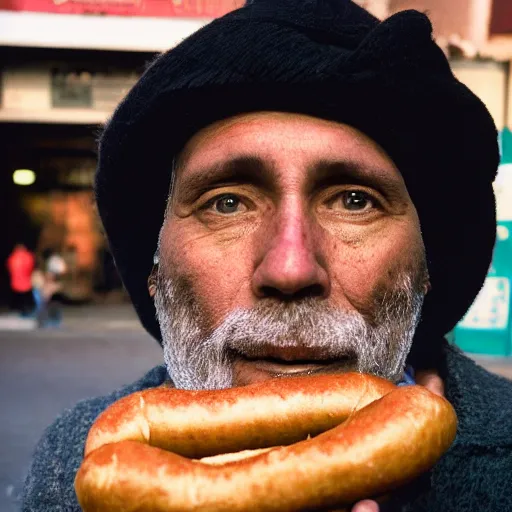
(23,177)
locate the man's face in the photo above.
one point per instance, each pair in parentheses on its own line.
(290,246)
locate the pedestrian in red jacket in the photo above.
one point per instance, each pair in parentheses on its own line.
(20,264)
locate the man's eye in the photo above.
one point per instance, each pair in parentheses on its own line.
(356,200)
(226,204)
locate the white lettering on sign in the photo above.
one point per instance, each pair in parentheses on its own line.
(491,307)
(503,192)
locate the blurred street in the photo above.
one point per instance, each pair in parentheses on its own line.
(98,349)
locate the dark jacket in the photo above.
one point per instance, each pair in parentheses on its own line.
(475,474)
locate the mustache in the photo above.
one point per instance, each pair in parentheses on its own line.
(305,330)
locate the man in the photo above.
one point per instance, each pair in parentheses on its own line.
(299,188)
(49,314)
(20,265)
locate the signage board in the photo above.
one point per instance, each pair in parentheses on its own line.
(501,17)
(152,8)
(487,326)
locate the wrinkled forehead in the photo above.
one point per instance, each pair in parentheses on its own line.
(274,143)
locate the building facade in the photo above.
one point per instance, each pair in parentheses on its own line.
(67,63)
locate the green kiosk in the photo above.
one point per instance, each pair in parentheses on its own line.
(487,326)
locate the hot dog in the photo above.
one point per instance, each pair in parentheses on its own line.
(300,443)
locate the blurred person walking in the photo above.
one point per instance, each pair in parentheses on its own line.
(20,265)
(38,281)
(49,313)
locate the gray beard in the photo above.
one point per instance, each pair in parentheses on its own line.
(200,358)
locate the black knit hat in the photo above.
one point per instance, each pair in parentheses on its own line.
(333,60)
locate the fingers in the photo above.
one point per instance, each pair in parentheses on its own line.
(431,380)
(366,506)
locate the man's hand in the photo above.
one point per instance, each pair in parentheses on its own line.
(366,506)
(431,380)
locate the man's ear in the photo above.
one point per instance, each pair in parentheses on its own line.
(427,286)
(152,281)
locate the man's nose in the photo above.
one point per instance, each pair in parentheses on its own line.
(290,263)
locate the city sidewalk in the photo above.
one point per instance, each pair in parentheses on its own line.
(97,317)
(499,365)
(104,317)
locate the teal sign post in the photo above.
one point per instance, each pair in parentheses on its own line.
(487,326)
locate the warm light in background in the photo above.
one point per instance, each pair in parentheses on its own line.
(23,177)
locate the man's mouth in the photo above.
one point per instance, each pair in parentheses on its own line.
(249,369)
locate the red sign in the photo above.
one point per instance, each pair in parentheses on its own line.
(158,8)
(501,19)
